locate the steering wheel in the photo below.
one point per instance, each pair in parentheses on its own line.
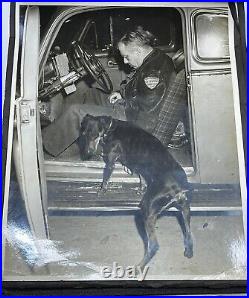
(84,58)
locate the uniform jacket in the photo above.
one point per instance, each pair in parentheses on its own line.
(145,90)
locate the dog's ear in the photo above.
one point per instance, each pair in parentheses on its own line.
(88,116)
(84,122)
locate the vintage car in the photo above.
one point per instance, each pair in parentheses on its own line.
(62,51)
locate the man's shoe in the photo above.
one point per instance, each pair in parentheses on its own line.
(179,138)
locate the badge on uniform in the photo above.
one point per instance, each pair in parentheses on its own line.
(151,82)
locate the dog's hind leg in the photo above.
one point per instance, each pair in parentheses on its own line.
(184,220)
(147,224)
(145,220)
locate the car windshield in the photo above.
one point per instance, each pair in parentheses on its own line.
(114,23)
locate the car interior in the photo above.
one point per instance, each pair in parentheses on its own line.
(84,55)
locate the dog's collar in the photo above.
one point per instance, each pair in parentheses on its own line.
(107,131)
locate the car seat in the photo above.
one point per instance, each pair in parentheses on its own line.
(170,125)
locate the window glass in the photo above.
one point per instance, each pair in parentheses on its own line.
(110,25)
(90,39)
(69,31)
(102,24)
(212,36)
(96,37)
(164,24)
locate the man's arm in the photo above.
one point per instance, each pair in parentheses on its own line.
(156,77)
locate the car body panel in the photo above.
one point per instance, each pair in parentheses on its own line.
(215,110)
(25,139)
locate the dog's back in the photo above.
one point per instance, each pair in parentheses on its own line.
(143,153)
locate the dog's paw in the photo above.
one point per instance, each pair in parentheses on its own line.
(101,192)
(141,191)
(188,253)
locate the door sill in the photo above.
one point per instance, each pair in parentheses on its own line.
(91,171)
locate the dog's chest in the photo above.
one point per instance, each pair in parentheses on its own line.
(130,149)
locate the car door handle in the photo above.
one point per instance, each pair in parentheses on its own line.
(111,64)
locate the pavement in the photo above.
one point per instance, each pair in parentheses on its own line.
(80,246)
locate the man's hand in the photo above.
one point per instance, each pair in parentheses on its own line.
(114,97)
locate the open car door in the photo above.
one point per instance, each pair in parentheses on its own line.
(27,147)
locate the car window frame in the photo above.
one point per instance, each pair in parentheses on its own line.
(194,30)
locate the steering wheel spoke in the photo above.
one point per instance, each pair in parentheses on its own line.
(93,66)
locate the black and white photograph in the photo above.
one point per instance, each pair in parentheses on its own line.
(124,142)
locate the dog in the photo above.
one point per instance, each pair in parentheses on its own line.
(145,155)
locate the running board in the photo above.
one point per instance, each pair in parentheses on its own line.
(90,171)
(54,210)
(83,196)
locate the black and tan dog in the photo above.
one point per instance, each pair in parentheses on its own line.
(144,155)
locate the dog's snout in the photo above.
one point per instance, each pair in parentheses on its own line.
(90,136)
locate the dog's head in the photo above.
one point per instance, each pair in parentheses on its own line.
(92,130)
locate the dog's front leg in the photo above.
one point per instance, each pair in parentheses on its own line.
(142,185)
(106,177)
(110,157)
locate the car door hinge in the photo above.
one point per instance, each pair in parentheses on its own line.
(188,81)
(26,112)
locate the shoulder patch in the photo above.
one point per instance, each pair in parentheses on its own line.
(151,82)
